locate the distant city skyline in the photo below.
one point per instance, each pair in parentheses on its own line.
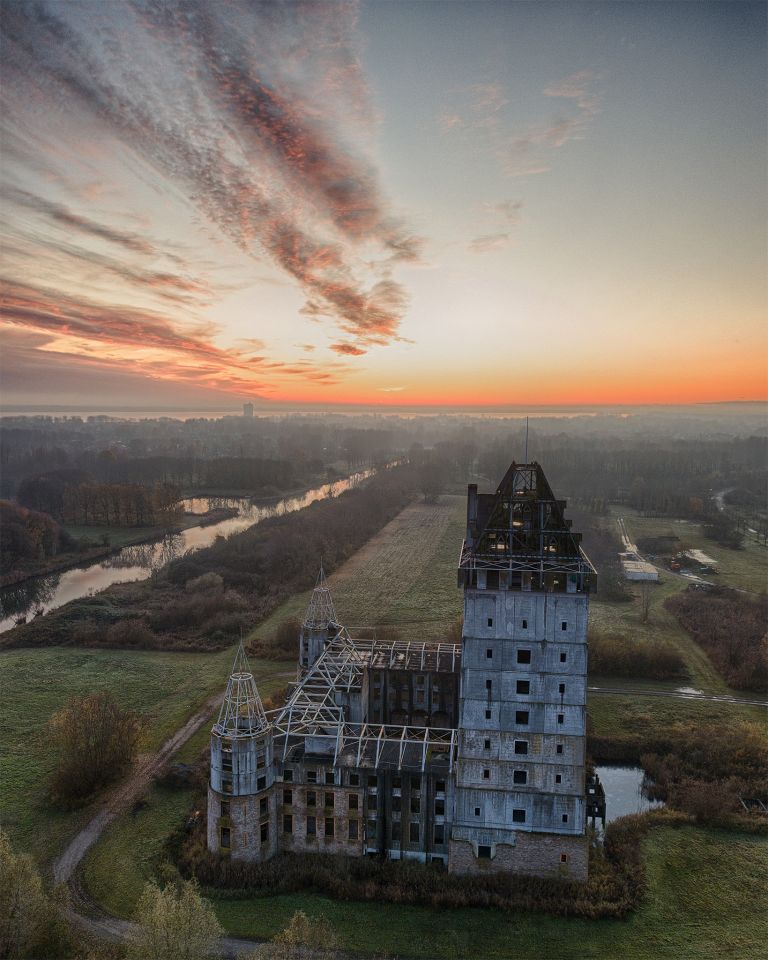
(390,204)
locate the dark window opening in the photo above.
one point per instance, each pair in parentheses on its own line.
(354,779)
(521,747)
(483,852)
(520,776)
(264,832)
(523,686)
(487,714)
(523,656)
(288,797)
(440,786)
(564,625)
(353,829)
(353,799)
(261,783)
(329,776)
(311,827)
(288,776)
(263,807)
(563,657)
(439,808)
(518,816)
(413,833)
(311,776)
(225,836)
(565,818)
(372,781)
(561,688)
(559,748)
(372,802)
(415,804)
(489,654)
(439,835)
(329,800)
(489,685)
(561,718)
(288,823)
(487,744)
(563,858)
(558,778)
(521,717)
(311,798)
(490,621)
(477,811)
(224,808)
(486,774)
(329,827)
(525,624)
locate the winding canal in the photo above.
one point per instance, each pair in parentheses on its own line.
(38,595)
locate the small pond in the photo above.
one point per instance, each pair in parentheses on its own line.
(624,791)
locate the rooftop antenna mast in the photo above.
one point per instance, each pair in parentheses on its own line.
(526,441)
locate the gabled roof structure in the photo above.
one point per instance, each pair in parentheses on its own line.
(522,527)
(242,712)
(320,611)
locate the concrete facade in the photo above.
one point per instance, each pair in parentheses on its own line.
(472,755)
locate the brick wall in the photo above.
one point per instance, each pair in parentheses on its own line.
(537,855)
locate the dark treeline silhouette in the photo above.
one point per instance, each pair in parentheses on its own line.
(28,537)
(733,628)
(90,503)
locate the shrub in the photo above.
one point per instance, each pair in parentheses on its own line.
(96,740)
(616,656)
(130,632)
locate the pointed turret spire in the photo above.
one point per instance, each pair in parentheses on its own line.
(320,611)
(242,712)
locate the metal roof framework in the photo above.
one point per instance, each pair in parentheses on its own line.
(522,528)
(242,712)
(313,717)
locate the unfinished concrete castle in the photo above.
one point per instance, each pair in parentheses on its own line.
(470,754)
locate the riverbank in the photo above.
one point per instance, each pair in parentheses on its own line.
(120,537)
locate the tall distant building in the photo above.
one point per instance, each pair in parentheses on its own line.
(247,409)
(471,754)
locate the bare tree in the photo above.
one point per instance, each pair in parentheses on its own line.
(96,740)
(646,593)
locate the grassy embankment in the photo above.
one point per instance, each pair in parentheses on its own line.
(165,687)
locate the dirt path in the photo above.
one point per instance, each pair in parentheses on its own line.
(125,794)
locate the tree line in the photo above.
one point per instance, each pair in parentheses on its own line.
(70,499)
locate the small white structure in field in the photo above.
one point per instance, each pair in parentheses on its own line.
(698,556)
(639,570)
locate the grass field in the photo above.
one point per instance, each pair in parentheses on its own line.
(404,576)
(696,908)
(164,687)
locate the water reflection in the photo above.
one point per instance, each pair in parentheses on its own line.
(140,561)
(625,791)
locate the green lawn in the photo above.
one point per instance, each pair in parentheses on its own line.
(165,687)
(707,894)
(697,908)
(404,576)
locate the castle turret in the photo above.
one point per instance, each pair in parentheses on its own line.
(239,795)
(320,624)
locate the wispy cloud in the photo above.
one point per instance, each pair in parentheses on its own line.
(489,242)
(481,115)
(257,115)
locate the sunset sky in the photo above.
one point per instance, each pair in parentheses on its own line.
(385,203)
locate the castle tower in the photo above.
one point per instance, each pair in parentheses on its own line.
(320,624)
(520,790)
(240,806)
